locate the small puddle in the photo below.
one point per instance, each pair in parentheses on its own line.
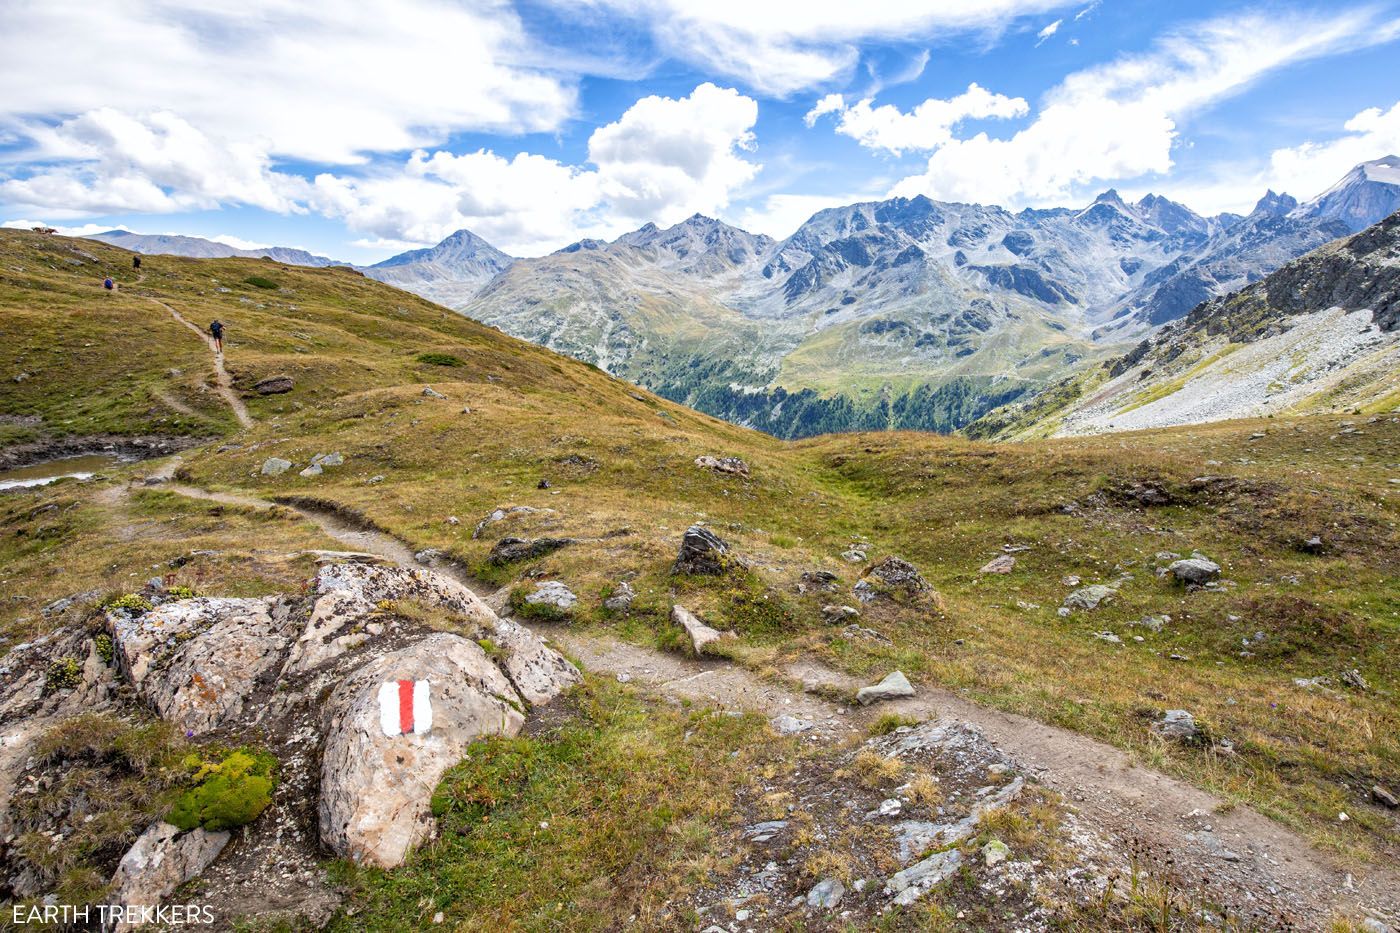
(51,471)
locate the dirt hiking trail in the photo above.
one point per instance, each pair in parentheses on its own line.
(1265,864)
(223,382)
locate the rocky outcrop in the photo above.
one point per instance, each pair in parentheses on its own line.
(891,577)
(730,465)
(197,661)
(376,780)
(511,550)
(162,859)
(346,593)
(1194,571)
(274,385)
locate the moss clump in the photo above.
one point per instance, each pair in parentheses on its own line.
(258,281)
(131,602)
(228,794)
(62,674)
(105,649)
(441,359)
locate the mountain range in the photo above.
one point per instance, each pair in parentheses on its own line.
(200,248)
(904,313)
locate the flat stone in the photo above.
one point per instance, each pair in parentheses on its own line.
(826,894)
(1195,570)
(552,593)
(1089,597)
(1176,724)
(914,882)
(1004,563)
(731,465)
(894,686)
(701,635)
(274,385)
(161,859)
(275,466)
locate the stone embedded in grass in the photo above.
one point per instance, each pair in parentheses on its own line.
(731,465)
(1177,725)
(893,687)
(430,392)
(502,513)
(510,550)
(553,593)
(1003,563)
(995,852)
(1195,571)
(1089,597)
(818,581)
(274,385)
(914,882)
(701,635)
(1384,797)
(790,725)
(621,598)
(275,466)
(839,615)
(704,552)
(891,576)
(329,460)
(826,894)
(313,470)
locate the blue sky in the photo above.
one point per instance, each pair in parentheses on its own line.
(381,125)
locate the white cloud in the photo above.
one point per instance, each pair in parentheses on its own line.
(926,127)
(780,47)
(1119,121)
(781,214)
(237,242)
(831,103)
(80,230)
(1049,31)
(325,82)
(662,160)
(665,159)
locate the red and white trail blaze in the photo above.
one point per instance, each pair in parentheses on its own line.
(405,708)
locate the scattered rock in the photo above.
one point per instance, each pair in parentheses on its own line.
(313,470)
(553,593)
(1313,545)
(274,385)
(1003,563)
(161,860)
(893,687)
(702,552)
(889,577)
(510,550)
(621,598)
(1155,623)
(1195,571)
(1352,678)
(839,615)
(427,555)
(854,554)
(826,894)
(818,581)
(790,725)
(375,787)
(501,514)
(1089,597)
(1177,725)
(731,465)
(1383,796)
(543,484)
(914,882)
(995,852)
(275,466)
(1108,637)
(701,635)
(430,392)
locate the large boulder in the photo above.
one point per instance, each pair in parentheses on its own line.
(345,593)
(732,465)
(274,385)
(703,552)
(538,672)
(1089,597)
(392,729)
(510,550)
(161,859)
(197,661)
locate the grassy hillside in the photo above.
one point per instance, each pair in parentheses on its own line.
(622,483)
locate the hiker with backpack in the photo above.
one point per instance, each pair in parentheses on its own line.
(108,284)
(216,330)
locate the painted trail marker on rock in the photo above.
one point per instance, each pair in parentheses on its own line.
(404,707)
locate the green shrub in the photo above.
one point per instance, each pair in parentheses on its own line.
(228,794)
(105,649)
(258,281)
(180,592)
(62,674)
(131,602)
(440,359)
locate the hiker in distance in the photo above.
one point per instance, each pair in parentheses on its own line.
(216,330)
(108,284)
(136,263)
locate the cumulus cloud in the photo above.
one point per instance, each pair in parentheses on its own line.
(1120,120)
(831,103)
(926,127)
(780,47)
(665,158)
(79,230)
(1308,169)
(323,82)
(779,215)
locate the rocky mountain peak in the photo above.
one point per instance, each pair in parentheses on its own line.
(1275,204)
(1365,195)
